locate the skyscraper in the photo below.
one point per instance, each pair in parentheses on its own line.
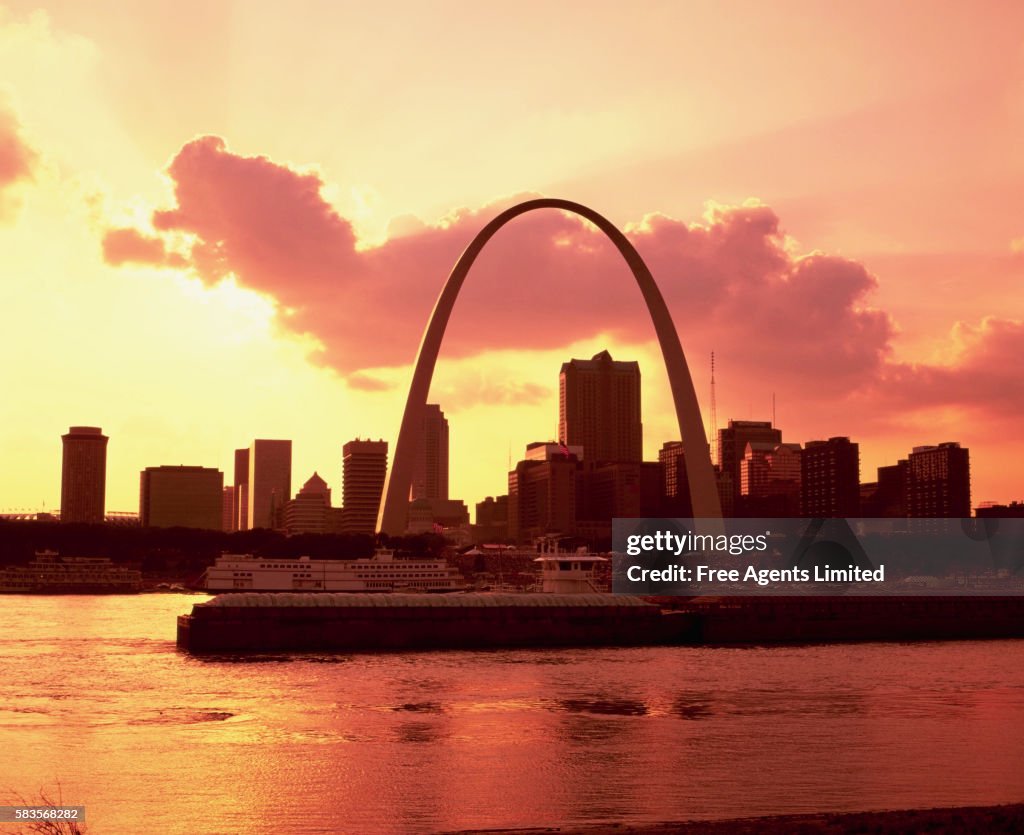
(732,444)
(83,482)
(939,481)
(430,471)
(185,497)
(270,482)
(830,479)
(240,516)
(599,408)
(364,465)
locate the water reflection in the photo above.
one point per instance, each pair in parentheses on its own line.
(99,699)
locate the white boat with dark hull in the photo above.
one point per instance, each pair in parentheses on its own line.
(381,573)
(50,573)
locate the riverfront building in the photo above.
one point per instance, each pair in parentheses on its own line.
(83,482)
(185,497)
(364,466)
(830,479)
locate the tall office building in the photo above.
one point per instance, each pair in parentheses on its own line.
(364,468)
(181,497)
(240,516)
(599,408)
(309,511)
(270,483)
(672,458)
(430,470)
(607,490)
(542,498)
(830,479)
(732,444)
(83,480)
(939,481)
(770,480)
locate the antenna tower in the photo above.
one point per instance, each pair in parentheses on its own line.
(714,413)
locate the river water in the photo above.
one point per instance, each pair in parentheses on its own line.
(95,697)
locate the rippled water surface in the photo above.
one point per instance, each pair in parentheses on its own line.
(94,694)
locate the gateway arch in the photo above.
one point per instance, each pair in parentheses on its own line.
(699,472)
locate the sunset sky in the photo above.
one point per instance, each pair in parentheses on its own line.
(222,221)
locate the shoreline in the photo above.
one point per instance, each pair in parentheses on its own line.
(953,820)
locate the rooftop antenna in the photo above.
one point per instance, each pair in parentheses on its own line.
(773,409)
(714,413)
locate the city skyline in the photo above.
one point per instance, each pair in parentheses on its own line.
(748,470)
(882,294)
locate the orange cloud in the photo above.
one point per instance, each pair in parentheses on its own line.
(548,280)
(17,159)
(129,246)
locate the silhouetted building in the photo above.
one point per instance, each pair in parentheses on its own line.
(727,496)
(542,498)
(181,497)
(427,515)
(672,458)
(491,520)
(309,511)
(546,450)
(619,489)
(228,509)
(886,497)
(240,517)
(732,444)
(1013,510)
(270,483)
(939,481)
(599,408)
(430,470)
(830,479)
(83,481)
(770,477)
(365,466)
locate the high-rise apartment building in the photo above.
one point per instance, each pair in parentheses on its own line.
(599,408)
(270,483)
(83,481)
(430,470)
(181,497)
(939,481)
(365,466)
(240,515)
(830,479)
